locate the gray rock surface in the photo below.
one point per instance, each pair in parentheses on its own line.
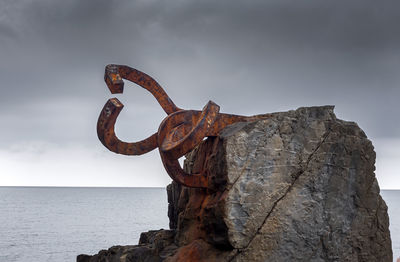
(299,186)
(302,188)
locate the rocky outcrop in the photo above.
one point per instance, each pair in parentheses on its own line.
(299,186)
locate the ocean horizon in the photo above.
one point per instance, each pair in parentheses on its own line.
(45,223)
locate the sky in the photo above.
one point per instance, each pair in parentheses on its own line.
(249,57)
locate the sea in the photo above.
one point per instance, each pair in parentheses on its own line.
(39,224)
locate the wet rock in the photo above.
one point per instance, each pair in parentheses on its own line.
(299,186)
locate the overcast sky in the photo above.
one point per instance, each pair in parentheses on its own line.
(249,57)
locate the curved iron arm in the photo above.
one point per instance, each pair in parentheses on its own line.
(179,132)
(114,74)
(175,141)
(106,133)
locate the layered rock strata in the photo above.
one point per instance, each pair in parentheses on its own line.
(299,186)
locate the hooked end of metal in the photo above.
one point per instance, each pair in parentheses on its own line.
(113,79)
(106,121)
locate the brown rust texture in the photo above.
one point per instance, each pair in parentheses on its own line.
(179,133)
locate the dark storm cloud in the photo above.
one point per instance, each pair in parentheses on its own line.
(249,57)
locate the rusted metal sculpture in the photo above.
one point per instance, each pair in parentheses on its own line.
(179,133)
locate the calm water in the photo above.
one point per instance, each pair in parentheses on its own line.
(392,199)
(57,224)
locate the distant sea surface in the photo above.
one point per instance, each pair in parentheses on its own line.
(56,224)
(392,199)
